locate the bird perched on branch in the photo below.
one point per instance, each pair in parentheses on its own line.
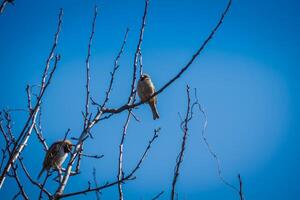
(145,89)
(56,155)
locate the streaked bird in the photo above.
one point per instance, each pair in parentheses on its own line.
(56,155)
(145,89)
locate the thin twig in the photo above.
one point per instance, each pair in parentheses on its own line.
(37,127)
(158,195)
(197,104)
(16,177)
(32,181)
(8,119)
(41,138)
(96,184)
(204,138)
(16,195)
(4,3)
(66,134)
(93,156)
(43,185)
(241,187)
(112,74)
(179,159)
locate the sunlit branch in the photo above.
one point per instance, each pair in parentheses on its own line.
(28,127)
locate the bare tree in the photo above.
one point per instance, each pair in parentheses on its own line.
(11,153)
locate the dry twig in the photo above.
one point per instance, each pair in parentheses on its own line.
(179,159)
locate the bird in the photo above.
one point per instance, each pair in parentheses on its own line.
(56,155)
(145,89)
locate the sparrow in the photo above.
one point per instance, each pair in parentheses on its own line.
(56,155)
(145,89)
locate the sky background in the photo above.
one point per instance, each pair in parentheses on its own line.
(247,78)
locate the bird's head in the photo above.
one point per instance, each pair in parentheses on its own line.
(144,76)
(68,146)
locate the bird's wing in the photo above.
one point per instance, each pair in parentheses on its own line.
(51,153)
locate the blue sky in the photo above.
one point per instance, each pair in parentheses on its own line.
(247,80)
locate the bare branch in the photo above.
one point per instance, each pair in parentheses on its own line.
(115,68)
(38,130)
(28,92)
(172,80)
(96,184)
(14,146)
(131,98)
(16,177)
(41,138)
(179,159)
(32,181)
(93,156)
(87,125)
(141,62)
(16,195)
(37,126)
(8,119)
(43,186)
(241,187)
(120,161)
(4,3)
(128,177)
(26,131)
(87,63)
(88,77)
(66,134)
(98,115)
(197,104)
(158,195)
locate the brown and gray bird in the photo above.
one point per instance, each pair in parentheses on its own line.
(56,155)
(145,89)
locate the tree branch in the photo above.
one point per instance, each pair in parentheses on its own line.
(31,179)
(128,177)
(178,75)
(158,195)
(179,159)
(4,3)
(26,131)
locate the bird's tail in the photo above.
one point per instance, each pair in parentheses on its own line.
(40,174)
(154,110)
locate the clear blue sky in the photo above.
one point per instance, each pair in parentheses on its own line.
(247,78)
